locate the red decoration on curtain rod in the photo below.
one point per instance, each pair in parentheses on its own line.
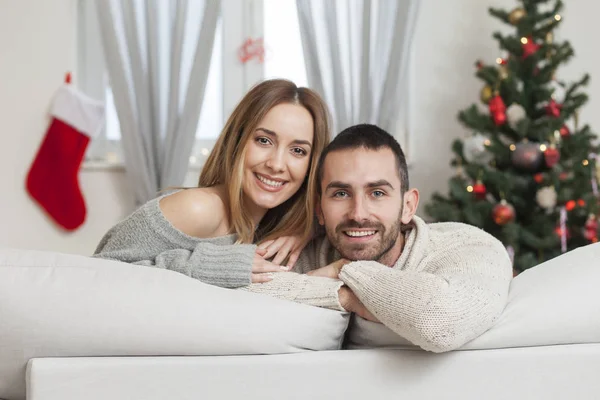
(250,49)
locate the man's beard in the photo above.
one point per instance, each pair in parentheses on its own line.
(366,251)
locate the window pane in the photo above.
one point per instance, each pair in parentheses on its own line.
(113,130)
(284,57)
(211,115)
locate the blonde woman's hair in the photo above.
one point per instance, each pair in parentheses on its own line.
(225,164)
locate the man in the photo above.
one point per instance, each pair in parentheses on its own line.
(436,285)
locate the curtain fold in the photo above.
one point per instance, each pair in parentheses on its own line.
(357,57)
(158,74)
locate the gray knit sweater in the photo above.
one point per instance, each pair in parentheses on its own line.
(147,238)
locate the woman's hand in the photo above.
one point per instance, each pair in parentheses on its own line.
(262,270)
(330,271)
(284,247)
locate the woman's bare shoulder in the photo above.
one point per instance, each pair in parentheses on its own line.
(198,212)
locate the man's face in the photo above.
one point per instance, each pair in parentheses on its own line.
(361,205)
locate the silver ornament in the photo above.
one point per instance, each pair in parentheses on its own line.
(474,149)
(527,156)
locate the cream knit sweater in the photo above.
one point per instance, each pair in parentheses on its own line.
(449,285)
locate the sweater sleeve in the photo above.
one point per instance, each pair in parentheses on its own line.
(147,238)
(459,299)
(227,266)
(310,290)
(298,287)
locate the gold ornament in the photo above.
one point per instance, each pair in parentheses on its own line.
(486,94)
(516,15)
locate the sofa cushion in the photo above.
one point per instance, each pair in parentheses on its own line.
(556,302)
(59,305)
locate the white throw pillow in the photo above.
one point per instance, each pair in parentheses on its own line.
(557,302)
(59,305)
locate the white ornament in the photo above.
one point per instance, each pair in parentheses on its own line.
(559,92)
(520,86)
(546,197)
(515,113)
(475,151)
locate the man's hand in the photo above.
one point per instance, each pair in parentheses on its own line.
(350,303)
(330,271)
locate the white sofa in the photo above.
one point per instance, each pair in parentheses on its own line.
(73,327)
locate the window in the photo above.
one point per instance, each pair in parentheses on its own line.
(274,20)
(285,58)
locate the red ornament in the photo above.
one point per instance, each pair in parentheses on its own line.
(559,232)
(496,104)
(530,47)
(479,64)
(503,213)
(570,205)
(563,175)
(553,108)
(551,155)
(590,231)
(499,119)
(497,110)
(539,178)
(581,203)
(591,223)
(479,190)
(564,131)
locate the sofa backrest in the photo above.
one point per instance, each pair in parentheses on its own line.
(60,305)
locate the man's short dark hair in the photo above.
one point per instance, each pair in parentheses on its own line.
(370,137)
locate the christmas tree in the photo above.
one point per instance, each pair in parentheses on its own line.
(527,171)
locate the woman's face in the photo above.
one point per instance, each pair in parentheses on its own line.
(278,155)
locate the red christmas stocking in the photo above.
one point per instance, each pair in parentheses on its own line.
(53,178)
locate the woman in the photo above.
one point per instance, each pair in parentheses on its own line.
(256,187)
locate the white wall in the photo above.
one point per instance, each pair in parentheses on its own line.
(38,45)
